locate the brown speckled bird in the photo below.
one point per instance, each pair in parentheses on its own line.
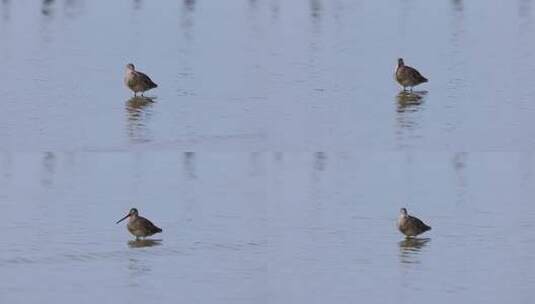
(138,225)
(137,81)
(411,226)
(408,76)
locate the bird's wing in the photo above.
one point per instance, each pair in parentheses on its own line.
(148,224)
(418,223)
(141,77)
(415,74)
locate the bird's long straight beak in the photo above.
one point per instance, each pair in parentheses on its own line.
(123,218)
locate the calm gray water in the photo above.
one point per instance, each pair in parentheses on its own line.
(238,80)
(267,227)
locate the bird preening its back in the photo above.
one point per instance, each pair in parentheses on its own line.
(138,225)
(137,81)
(408,76)
(410,225)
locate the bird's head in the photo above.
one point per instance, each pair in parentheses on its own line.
(132,212)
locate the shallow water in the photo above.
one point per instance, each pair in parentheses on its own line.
(267,227)
(267,75)
(297,226)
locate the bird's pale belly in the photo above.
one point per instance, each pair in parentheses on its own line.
(403,81)
(138,232)
(135,87)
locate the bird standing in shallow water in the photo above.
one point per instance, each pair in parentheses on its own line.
(137,81)
(138,225)
(411,226)
(408,76)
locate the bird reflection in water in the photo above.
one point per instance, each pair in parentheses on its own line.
(186,18)
(459,166)
(320,161)
(408,115)
(138,111)
(49,163)
(6,166)
(315,8)
(137,103)
(47,9)
(457,5)
(410,101)
(137,4)
(253,4)
(144,243)
(189,165)
(5,9)
(189,4)
(410,249)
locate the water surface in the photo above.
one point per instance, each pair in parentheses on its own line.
(267,75)
(237,80)
(267,227)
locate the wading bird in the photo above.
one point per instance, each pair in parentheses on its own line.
(408,76)
(137,81)
(138,225)
(411,226)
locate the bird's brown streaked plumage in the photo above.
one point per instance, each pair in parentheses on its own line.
(137,81)
(138,225)
(410,225)
(408,76)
